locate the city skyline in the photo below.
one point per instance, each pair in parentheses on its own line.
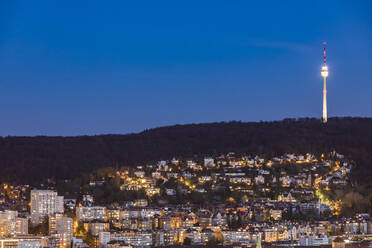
(227,200)
(120,68)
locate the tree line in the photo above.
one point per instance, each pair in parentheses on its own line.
(31,160)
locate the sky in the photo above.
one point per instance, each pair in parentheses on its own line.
(98,67)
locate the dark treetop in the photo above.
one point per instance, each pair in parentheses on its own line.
(34,159)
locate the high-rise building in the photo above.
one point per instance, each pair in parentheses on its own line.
(7,222)
(21,226)
(44,203)
(61,227)
(12,225)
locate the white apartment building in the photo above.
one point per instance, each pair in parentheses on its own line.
(231,237)
(44,203)
(104,238)
(21,226)
(62,227)
(135,239)
(11,224)
(313,241)
(96,227)
(7,222)
(143,239)
(21,242)
(86,214)
(209,162)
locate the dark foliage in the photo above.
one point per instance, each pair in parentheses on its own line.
(32,159)
(39,229)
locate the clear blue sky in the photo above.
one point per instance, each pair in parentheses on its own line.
(93,67)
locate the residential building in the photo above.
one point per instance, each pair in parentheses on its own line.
(44,203)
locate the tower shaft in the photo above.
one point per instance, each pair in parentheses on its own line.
(324,74)
(325,100)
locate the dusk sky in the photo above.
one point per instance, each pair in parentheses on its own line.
(97,67)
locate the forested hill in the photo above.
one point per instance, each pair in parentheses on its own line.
(31,159)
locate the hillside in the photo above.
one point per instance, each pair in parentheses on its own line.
(32,159)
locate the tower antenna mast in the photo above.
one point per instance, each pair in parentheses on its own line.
(324,52)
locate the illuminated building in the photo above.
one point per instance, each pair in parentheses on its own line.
(7,222)
(91,213)
(209,162)
(21,226)
(144,224)
(22,242)
(140,202)
(113,214)
(276,214)
(158,238)
(44,203)
(138,239)
(11,225)
(62,227)
(286,197)
(104,238)
(170,237)
(95,227)
(233,237)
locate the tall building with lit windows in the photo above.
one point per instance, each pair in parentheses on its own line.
(11,224)
(7,222)
(44,203)
(62,227)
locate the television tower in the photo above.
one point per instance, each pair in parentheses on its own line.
(324,74)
